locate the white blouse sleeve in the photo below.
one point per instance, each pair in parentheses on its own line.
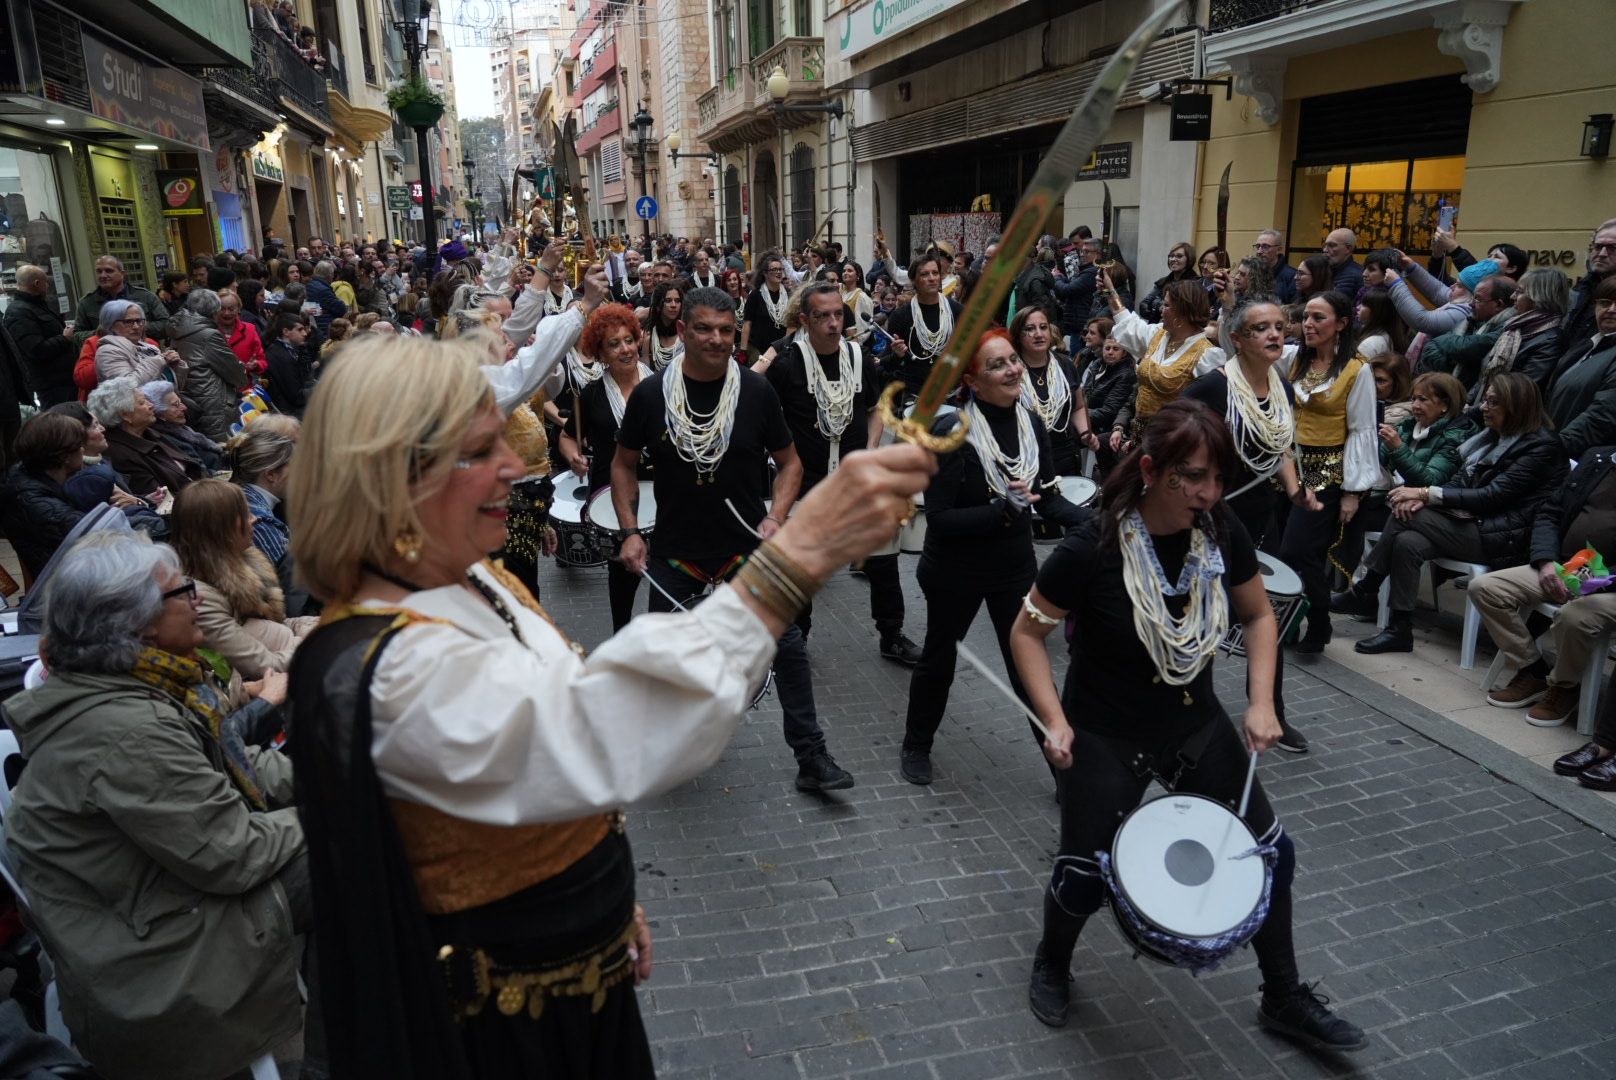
(1361,469)
(1133,333)
(1210,361)
(490,730)
(537,364)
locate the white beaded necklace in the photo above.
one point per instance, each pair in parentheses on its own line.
(710,283)
(999,468)
(632,289)
(579,373)
(833,401)
(1055,410)
(927,341)
(775,308)
(700,438)
(662,356)
(552,306)
(1263,429)
(1180,647)
(615,399)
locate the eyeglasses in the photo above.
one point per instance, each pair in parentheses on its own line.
(131,322)
(1596,246)
(1260,246)
(187,590)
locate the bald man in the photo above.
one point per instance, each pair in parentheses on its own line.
(1346,276)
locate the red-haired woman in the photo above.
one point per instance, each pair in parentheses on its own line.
(733,282)
(612,337)
(1145,587)
(979,535)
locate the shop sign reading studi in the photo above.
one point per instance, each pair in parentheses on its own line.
(147,97)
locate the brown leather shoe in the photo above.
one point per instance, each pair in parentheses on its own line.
(1575,762)
(1600,777)
(1523,690)
(1555,708)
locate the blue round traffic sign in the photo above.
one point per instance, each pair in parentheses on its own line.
(646,208)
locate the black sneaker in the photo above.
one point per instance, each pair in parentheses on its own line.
(1291,740)
(1302,1016)
(821,773)
(899,648)
(915,765)
(1049,991)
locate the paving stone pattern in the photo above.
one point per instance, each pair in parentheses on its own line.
(887,931)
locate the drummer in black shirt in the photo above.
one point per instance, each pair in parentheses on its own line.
(979,535)
(826,403)
(709,426)
(1163,551)
(764,318)
(921,329)
(589,443)
(1258,406)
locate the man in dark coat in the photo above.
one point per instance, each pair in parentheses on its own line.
(43,338)
(110,284)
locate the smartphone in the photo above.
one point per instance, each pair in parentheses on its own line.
(1445,215)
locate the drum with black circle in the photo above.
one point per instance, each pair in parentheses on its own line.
(1285,596)
(577,545)
(601,515)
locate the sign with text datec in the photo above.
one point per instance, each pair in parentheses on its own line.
(1110,161)
(646,208)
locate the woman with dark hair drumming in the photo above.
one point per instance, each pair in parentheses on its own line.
(1146,586)
(1256,404)
(1338,454)
(979,535)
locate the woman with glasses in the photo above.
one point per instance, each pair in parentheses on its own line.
(122,347)
(763,319)
(1580,321)
(1180,267)
(1582,390)
(1482,515)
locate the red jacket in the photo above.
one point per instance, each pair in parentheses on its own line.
(249,348)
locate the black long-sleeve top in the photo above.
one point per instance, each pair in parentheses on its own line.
(975,536)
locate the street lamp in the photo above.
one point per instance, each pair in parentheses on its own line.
(641,125)
(779,85)
(411,14)
(468,166)
(674,139)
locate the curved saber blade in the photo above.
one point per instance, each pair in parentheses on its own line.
(1082,133)
(1223,208)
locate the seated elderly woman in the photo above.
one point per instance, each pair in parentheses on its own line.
(133,448)
(98,481)
(214,376)
(240,606)
(161,857)
(122,347)
(260,460)
(1482,515)
(1531,340)
(173,428)
(35,511)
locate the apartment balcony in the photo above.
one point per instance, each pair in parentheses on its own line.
(297,86)
(597,69)
(606,123)
(738,111)
(354,119)
(726,115)
(1257,39)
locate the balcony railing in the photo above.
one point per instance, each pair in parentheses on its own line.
(1230,14)
(802,58)
(294,80)
(335,77)
(256,84)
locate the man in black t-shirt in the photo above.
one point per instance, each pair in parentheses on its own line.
(814,406)
(915,347)
(709,437)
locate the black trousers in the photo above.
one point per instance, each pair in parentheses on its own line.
(1106,781)
(886,598)
(1309,535)
(1255,511)
(951,607)
(622,584)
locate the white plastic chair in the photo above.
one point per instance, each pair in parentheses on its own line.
(1465,572)
(1593,676)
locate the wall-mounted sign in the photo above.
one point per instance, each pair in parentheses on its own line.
(1110,161)
(884,20)
(180,192)
(160,261)
(398,197)
(1191,118)
(148,97)
(266,165)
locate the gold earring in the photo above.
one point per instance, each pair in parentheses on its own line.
(407,544)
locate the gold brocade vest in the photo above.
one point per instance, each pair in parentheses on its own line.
(1321,420)
(525,432)
(1161,383)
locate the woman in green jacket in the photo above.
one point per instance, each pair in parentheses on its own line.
(1424,448)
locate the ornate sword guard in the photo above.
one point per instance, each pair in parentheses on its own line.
(911,432)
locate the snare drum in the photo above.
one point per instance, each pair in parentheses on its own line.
(576,542)
(1187,881)
(1284,590)
(601,515)
(912,534)
(1077,490)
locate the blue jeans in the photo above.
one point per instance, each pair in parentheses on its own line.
(793,681)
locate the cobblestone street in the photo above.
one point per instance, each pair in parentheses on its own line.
(887,931)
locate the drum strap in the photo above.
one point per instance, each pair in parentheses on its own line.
(1189,754)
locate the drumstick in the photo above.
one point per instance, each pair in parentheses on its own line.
(1251,774)
(664,592)
(1000,685)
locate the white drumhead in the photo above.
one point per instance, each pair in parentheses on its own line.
(1077,490)
(604,515)
(1278,578)
(1174,860)
(568,502)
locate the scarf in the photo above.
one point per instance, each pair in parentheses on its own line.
(1478,450)
(1502,356)
(185,680)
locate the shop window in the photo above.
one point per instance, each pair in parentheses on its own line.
(1386,203)
(802,195)
(31,224)
(732,205)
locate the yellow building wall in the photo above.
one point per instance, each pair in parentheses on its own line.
(1524,178)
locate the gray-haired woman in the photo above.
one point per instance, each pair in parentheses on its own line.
(133,448)
(162,858)
(174,429)
(122,347)
(215,377)
(1532,339)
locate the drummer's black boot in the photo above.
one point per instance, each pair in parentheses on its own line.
(1302,1014)
(1397,637)
(1049,992)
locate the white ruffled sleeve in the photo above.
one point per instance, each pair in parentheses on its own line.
(1361,468)
(1133,333)
(468,720)
(536,365)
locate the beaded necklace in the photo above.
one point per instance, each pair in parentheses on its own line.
(1263,428)
(554,306)
(700,438)
(775,308)
(1179,646)
(998,467)
(616,400)
(1054,409)
(579,373)
(833,401)
(932,342)
(662,356)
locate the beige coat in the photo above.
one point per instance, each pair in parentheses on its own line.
(244,620)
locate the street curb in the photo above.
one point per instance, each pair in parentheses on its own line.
(1561,792)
